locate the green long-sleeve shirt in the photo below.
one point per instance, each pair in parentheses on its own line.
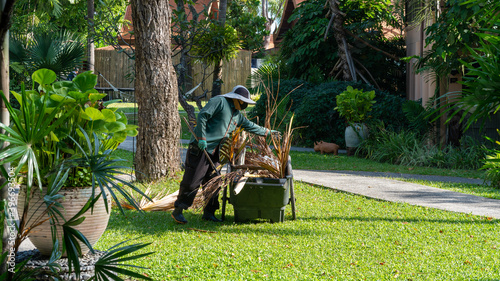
(213,122)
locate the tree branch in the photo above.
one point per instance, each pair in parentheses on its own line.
(371,46)
(5,22)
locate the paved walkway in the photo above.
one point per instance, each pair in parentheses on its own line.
(384,186)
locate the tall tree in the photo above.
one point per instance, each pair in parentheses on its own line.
(217,81)
(90,39)
(156,91)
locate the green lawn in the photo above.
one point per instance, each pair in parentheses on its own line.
(336,236)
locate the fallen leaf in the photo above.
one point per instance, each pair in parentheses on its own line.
(467,262)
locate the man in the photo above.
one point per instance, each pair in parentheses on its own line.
(216,121)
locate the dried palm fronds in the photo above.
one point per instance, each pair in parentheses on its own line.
(159,202)
(260,159)
(233,147)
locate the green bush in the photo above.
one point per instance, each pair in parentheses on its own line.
(354,104)
(412,149)
(323,122)
(295,87)
(314,108)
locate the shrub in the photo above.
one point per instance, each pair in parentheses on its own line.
(314,107)
(297,89)
(317,112)
(354,104)
(411,149)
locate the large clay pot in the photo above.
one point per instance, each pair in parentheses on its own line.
(352,139)
(92,227)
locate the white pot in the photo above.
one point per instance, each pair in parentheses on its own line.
(92,227)
(354,135)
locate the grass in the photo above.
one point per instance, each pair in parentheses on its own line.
(336,236)
(316,161)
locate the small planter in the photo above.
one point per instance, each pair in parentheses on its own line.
(263,198)
(355,134)
(92,227)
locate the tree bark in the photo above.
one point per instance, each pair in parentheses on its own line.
(182,67)
(265,14)
(90,39)
(339,34)
(156,91)
(217,75)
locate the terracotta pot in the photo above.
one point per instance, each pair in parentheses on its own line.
(92,227)
(352,139)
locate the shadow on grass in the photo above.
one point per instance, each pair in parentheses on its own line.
(152,223)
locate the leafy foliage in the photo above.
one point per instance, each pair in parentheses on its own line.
(355,104)
(297,90)
(492,164)
(241,16)
(453,31)
(310,54)
(110,264)
(480,95)
(219,43)
(418,117)
(314,106)
(42,16)
(61,52)
(412,149)
(52,116)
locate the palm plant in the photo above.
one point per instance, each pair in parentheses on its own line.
(61,52)
(48,141)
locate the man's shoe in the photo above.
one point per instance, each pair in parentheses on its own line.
(178,217)
(210,217)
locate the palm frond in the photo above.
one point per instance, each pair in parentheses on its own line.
(111,263)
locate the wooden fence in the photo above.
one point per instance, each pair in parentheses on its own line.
(113,67)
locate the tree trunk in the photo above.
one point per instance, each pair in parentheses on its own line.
(90,39)
(217,75)
(339,34)
(265,14)
(7,6)
(182,68)
(156,91)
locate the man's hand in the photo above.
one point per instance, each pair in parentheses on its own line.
(276,134)
(202,144)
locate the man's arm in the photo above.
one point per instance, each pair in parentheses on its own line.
(251,127)
(212,107)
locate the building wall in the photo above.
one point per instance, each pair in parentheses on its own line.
(422,85)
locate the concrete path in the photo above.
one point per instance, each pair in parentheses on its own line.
(384,186)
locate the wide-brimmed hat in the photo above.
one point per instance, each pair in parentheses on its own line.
(241,93)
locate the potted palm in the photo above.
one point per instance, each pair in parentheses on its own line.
(354,105)
(59,147)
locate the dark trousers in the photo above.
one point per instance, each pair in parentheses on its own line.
(198,171)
